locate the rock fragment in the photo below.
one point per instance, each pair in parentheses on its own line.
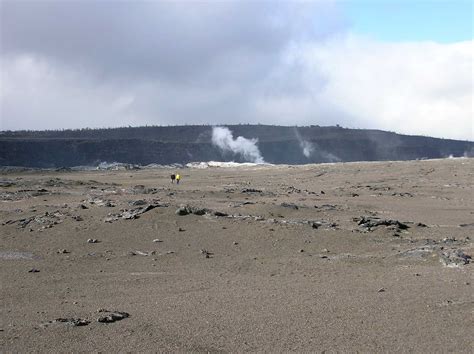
(186,210)
(76,322)
(454,258)
(139,202)
(316,225)
(183,211)
(112,316)
(251,190)
(371,222)
(141,253)
(220,214)
(206,253)
(289,205)
(130,214)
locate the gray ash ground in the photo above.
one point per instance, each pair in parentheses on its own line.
(333,257)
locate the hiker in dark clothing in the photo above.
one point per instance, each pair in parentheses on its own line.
(173,177)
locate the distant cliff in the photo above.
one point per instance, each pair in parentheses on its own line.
(183,144)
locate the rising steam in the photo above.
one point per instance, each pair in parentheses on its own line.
(312,148)
(222,137)
(306,147)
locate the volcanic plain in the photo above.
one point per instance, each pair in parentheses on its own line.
(345,257)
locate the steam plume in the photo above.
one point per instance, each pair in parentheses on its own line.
(306,147)
(222,137)
(309,148)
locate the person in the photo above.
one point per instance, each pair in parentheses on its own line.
(178,177)
(172,178)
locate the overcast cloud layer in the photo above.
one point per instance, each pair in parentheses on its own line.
(78,64)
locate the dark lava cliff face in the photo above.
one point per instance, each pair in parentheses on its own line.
(183,144)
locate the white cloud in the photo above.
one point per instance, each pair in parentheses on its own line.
(412,88)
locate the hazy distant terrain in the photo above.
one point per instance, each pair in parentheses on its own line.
(183,144)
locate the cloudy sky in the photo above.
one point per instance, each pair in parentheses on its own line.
(398,65)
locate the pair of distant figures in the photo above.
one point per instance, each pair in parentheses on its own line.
(176,177)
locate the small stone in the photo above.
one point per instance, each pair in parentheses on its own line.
(381,290)
(92,240)
(33,270)
(199,211)
(112,317)
(455,258)
(325,250)
(206,253)
(220,213)
(138,253)
(301,251)
(76,322)
(157,240)
(183,211)
(181,229)
(235,243)
(289,205)
(63,251)
(316,225)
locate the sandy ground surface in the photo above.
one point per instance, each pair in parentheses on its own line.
(286,264)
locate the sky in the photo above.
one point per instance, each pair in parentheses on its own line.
(399,65)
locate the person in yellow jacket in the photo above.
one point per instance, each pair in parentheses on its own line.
(178,177)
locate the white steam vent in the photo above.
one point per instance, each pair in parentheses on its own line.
(222,138)
(307,148)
